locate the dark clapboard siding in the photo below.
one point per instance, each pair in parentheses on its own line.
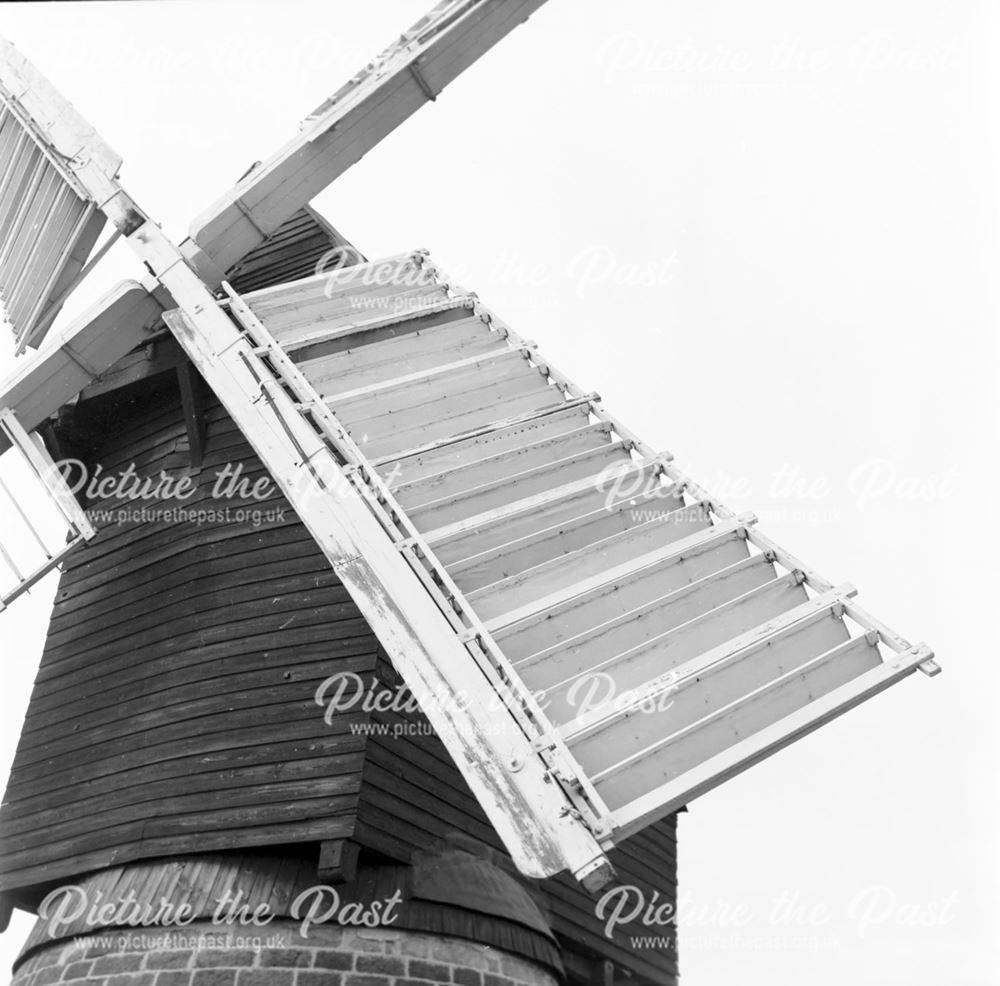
(174,708)
(298,248)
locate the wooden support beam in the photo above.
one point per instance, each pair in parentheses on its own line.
(338,861)
(162,355)
(192,406)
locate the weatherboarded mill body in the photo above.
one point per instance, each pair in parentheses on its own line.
(381,652)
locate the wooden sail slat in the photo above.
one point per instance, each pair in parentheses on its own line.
(398,352)
(396,393)
(565,537)
(48,225)
(455,415)
(624,589)
(550,576)
(618,664)
(509,491)
(302,334)
(496,528)
(647,613)
(506,437)
(743,701)
(465,477)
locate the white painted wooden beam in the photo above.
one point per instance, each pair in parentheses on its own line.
(346,127)
(73,357)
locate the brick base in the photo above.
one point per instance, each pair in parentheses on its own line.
(276,955)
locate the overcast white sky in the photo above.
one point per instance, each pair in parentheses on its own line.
(767,234)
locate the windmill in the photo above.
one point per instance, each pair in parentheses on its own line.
(467,522)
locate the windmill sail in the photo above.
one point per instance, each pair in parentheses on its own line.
(514,546)
(48,222)
(487,502)
(408,74)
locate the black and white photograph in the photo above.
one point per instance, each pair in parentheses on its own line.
(497,493)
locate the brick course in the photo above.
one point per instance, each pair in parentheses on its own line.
(328,957)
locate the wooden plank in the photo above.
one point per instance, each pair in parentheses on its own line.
(234,827)
(270,832)
(76,709)
(401,348)
(333,282)
(121,761)
(583,677)
(814,623)
(688,547)
(302,333)
(334,286)
(121,788)
(644,606)
(764,743)
(329,772)
(457,479)
(287,597)
(746,702)
(396,394)
(216,560)
(462,451)
(454,543)
(464,392)
(191,703)
(128,558)
(507,491)
(661,579)
(511,594)
(565,538)
(205,584)
(325,306)
(497,409)
(71,669)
